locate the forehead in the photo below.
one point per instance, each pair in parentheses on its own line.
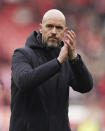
(56,20)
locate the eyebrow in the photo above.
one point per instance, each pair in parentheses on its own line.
(51,25)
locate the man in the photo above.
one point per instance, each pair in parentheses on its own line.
(41,75)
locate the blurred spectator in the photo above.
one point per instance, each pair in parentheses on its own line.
(101,87)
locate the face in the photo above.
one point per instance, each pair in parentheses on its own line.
(52,30)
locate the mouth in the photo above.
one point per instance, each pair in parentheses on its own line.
(54,39)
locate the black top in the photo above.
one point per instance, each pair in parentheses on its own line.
(40,87)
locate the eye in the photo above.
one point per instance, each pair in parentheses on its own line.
(59,27)
(49,26)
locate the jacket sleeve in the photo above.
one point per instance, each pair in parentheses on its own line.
(25,77)
(81,80)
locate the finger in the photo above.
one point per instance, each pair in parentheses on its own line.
(68,45)
(71,48)
(72,34)
(70,39)
(65,43)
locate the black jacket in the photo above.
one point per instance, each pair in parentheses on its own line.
(40,87)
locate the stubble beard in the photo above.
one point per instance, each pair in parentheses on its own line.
(52,44)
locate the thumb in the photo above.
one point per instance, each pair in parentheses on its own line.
(65,45)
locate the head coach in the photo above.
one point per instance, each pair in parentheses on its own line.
(42,73)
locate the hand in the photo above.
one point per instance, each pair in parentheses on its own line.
(69,40)
(63,54)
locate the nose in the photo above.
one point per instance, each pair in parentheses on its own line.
(53,31)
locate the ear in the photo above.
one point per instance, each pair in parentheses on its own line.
(66,29)
(40,28)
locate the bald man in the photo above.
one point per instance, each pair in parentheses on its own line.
(42,73)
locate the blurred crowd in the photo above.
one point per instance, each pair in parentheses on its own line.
(18,18)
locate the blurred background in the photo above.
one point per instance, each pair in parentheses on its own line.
(18,18)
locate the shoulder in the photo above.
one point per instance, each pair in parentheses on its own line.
(23,53)
(23,50)
(26,51)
